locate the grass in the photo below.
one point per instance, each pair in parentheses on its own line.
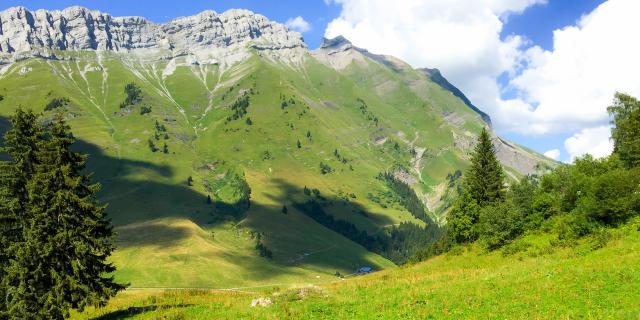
(168,235)
(531,279)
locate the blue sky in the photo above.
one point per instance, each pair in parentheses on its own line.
(316,12)
(537,23)
(534,25)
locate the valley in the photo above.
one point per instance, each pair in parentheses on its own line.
(271,117)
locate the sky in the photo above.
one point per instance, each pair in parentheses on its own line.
(544,70)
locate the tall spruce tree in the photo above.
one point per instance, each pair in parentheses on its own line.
(18,158)
(60,263)
(483,185)
(485,179)
(625,113)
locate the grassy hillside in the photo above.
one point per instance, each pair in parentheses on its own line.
(290,134)
(532,278)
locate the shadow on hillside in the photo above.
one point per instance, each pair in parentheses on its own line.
(137,199)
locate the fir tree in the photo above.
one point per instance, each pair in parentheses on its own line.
(165,149)
(485,179)
(61,262)
(21,146)
(152,146)
(190,181)
(299,144)
(285,210)
(483,185)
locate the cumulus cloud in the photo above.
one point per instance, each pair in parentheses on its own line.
(594,141)
(459,37)
(563,90)
(553,154)
(298,24)
(573,84)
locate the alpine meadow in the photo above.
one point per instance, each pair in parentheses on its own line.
(216,167)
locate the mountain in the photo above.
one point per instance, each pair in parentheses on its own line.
(231,155)
(436,76)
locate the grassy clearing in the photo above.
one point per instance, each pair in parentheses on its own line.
(530,279)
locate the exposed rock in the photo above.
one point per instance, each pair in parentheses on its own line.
(310,291)
(25,70)
(339,53)
(509,154)
(261,302)
(77,28)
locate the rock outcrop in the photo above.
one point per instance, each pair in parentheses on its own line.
(77,28)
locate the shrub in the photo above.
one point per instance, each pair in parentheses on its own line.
(56,103)
(145,110)
(500,223)
(612,197)
(134,95)
(325,168)
(570,227)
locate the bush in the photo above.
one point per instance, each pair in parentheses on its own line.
(56,103)
(134,95)
(325,168)
(500,223)
(571,227)
(612,197)
(463,219)
(145,110)
(544,205)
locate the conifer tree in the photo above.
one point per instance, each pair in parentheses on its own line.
(20,145)
(485,179)
(60,264)
(483,185)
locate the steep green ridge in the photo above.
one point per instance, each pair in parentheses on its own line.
(199,131)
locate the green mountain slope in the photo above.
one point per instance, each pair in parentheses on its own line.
(318,130)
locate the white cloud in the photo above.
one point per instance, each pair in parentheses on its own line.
(553,154)
(298,24)
(573,84)
(563,90)
(459,37)
(595,141)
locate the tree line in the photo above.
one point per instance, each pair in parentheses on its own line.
(55,235)
(572,201)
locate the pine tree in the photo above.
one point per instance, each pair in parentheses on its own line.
(299,145)
(20,145)
(485,179)
(61,262)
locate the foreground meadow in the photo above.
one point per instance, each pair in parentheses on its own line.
(533,278)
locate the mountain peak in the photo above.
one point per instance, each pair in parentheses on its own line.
(78,28)
(336,42)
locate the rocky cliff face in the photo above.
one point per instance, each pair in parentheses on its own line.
(78,28)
